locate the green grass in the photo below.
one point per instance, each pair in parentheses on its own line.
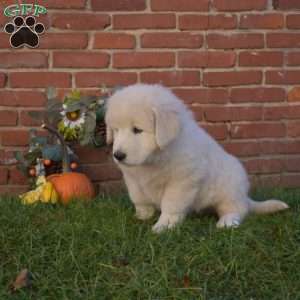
(100,251)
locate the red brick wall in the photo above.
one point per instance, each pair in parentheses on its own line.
(235,62)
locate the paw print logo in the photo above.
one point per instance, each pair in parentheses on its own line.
(24,32)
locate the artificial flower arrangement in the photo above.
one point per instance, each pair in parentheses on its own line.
(51,164)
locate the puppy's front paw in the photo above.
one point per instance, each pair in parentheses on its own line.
(167,222)
(144,212)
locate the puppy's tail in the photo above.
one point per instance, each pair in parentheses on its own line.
(267,207)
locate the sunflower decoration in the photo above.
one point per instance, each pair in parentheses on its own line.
(81,118)
(73,117)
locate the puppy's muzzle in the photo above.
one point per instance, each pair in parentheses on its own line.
(119,155)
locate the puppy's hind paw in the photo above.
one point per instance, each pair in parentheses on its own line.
(144,212)
(229,220)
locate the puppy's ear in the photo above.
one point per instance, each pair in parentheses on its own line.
(109,135)
(167,126)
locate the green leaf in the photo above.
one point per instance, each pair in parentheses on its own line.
(23,169)
(54,105)
(52,152)
(38,141)
(88,100)
(98,141)
(90,122)
(75,94)
(74,106)
(86,139)
(100,113)
(19,156)
(54,117)
(88,132)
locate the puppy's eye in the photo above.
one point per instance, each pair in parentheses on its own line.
(136,130)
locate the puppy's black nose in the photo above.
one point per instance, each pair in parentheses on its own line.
(119,155)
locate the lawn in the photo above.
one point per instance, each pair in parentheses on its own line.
(100,251)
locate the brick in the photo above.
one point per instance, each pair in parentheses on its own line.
(235,40)
(80,21)
(80,60)
(89,155)
(143,60)
(232,78)
(282,112)
(17,177)
(144,21)
(294,94)
(75,4)
(213,59)
(171,40)
(283,77)
(105,40)
(260,58)
(293,59)
(14,137)
(8,118)
(286,4)
(102,172)
(243,149)
(96,79)
(293,129)
(7,157)
(290,180)
(222,21)
(288,147)
(292,165)
(3,175)
(13,189)
(283,40)
(203,96)
(293,21)
(217,131)
(64,41)
(221,114)
(193,22)
(22,98)
(175,78)
(39,79)
(2,79)
(266,21)
(27,120)
(258,130)
(23,60)
(240,95)
(264,166)
(241,5)
(118,5)
(197,112)
(275,147)
(180,5)
(3,19)
(4,41)
(265,181)
(110,188)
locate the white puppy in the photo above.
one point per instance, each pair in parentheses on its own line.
(170,164)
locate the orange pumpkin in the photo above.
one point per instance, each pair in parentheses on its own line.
(69,184)
(72,184)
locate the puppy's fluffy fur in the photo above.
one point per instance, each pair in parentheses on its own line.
(173,165)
